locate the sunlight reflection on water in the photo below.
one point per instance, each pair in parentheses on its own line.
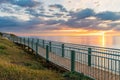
(103,41)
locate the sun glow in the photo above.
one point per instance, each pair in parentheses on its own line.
(103,39)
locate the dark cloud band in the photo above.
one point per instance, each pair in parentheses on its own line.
(22,3)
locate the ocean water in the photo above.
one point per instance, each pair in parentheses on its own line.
(102,41)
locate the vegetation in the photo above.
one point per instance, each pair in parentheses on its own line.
(13,35)
(1,34)
(15,64)
(76,76)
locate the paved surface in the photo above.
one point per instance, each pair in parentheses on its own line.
(96,73)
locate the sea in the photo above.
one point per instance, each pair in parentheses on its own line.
(102,41)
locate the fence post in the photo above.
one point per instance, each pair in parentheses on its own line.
(32,44)
(119,68)
(72,60)
(47,53)
(36,49)
(20,41)
(24,42)
(89,56)
(28,41)
(13,39)
(28,44)
(43,43)
(62,50)
(16,39)
(50,46)
(37,44)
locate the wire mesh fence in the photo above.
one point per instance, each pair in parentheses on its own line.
(99,63)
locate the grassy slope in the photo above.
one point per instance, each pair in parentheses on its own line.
(15,64)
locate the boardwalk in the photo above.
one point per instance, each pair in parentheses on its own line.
(96,73)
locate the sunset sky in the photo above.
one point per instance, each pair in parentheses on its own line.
(60,17)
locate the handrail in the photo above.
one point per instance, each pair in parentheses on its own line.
(76,57)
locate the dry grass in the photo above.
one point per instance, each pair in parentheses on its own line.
(15,64)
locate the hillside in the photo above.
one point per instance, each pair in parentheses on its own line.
(15,64)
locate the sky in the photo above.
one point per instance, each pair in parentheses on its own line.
(59,17)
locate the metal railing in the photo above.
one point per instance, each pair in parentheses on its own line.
(99,63)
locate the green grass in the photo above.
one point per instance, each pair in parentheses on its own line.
(15,64)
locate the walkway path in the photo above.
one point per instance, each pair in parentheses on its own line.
(96,73)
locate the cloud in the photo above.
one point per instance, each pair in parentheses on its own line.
(52,17)
(23,3)
(58,14)
(88,19)
(3,1)
(53,22)
(58,6)
(109,15)
(26,3)
(9,22)
(38,13)
(90,24)
(83,23)
(78,20)
(82,14)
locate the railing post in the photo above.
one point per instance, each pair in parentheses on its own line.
(119,67)
(32,44)
(37,44)
(16,39)
(36,49)
(89,56)
(43,43)
(28,44)
(72,60)
(50,46)
(24,42)
(47,53)
(13,39)
(62,50)
(20,41)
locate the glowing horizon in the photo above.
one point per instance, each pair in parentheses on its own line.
(68,33)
